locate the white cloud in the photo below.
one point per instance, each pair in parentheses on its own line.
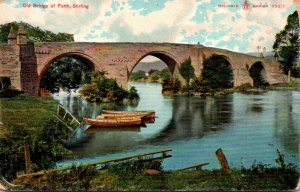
(161,25)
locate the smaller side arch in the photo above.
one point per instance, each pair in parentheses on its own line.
(258,73)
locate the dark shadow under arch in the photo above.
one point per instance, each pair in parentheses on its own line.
(217,72)
(258,73)
(83,63)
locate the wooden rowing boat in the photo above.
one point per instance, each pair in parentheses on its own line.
(142,114)
(117,122)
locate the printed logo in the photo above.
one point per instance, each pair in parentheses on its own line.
(246,5)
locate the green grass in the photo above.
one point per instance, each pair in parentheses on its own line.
(132,176)
(294,83)
(25,111)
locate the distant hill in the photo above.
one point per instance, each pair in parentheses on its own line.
(147,66)
(268,54)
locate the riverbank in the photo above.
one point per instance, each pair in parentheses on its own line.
(27,112)
(139,175)
(29,121)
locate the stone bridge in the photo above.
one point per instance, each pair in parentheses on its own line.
(25,63)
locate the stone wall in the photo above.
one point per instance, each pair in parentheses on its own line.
(10,65)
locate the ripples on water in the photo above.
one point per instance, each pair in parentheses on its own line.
(248,127)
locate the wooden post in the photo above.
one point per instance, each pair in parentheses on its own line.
(289,76)
(27,159)
(222,160)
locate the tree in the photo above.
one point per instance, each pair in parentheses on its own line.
(66,72)
(103,89)
(187,70)
(217,73)
(286,43)
(34,34)
(165,74)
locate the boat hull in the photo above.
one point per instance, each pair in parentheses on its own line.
(142,114)
(117,122)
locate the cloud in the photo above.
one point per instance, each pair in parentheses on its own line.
(176,21)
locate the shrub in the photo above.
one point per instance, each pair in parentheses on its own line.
(45,148)
(133,94)
(137,75)
(102,89)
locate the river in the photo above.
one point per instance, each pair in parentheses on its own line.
(249,127)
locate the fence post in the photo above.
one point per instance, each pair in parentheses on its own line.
(222,160)
(27,159)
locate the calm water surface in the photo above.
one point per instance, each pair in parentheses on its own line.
(248,127)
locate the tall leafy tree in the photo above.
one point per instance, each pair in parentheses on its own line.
(65,72)
(286,44)
(187,70)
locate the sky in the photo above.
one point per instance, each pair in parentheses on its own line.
(206,22)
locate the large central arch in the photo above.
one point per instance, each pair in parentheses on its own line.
(86,60)
(168,59)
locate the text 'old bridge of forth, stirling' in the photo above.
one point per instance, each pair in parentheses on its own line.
(25,62)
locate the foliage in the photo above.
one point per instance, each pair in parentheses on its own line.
(103,89)
(196,84)
(45,148)
(34,34)
(187,70)
(155,76)
(152,71)
(131,176)
(26,119)
(133,94)
(287,42)
(65,72)
(165,74)
(137,75)
(77,178)
(217,73)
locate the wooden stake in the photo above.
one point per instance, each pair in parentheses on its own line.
(222,160)
(27,159)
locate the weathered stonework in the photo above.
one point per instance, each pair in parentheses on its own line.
(26,63)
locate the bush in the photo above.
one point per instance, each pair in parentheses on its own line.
(133,94)
(45,148)
(103,89)
(137,75)
(155,76)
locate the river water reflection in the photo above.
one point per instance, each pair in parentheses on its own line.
(248,127)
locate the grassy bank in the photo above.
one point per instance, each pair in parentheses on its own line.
(27,112)
(29,120)
(293,84)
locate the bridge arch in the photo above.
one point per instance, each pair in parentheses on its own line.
(218,71)
(258,73)
(170,60)
(83,58)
